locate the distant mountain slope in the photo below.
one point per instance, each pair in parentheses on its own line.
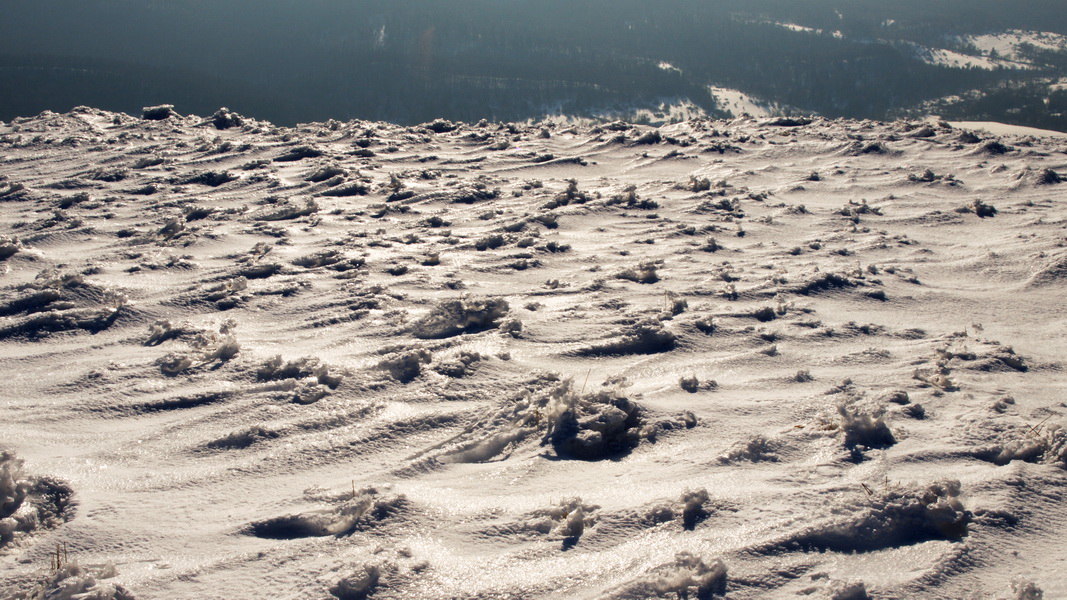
(410,61)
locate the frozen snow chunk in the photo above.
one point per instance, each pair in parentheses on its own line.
(593,426)
(825,282)
(440,126)
(643,273)
(208,178)
(459,365)
(455,317)
(205,347)
(693,511)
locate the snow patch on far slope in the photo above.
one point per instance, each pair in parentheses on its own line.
(1009,44)
(736,103)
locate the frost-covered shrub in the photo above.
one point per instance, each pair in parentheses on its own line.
(892,518)
(591,427)
(74,582)
(358,586)
(455,317)
(405,366)
(867,429)
(645,337)
(757,449)
(275,369)
(299,153)
(225,118)
(354,512)
(693,510)
(690,384)
(643,273)
(459,365)
(158,113)
(9,246)
(690,574)
(28,503)
(1046,445)
(847,590)
(568,519)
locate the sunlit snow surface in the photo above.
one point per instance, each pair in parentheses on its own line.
(760,358)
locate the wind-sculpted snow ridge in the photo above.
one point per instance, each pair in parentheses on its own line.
(779,358)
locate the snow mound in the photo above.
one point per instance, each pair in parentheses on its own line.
(454,317)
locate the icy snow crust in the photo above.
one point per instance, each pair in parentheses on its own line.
(752,358)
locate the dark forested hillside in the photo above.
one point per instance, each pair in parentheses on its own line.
(414,60)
